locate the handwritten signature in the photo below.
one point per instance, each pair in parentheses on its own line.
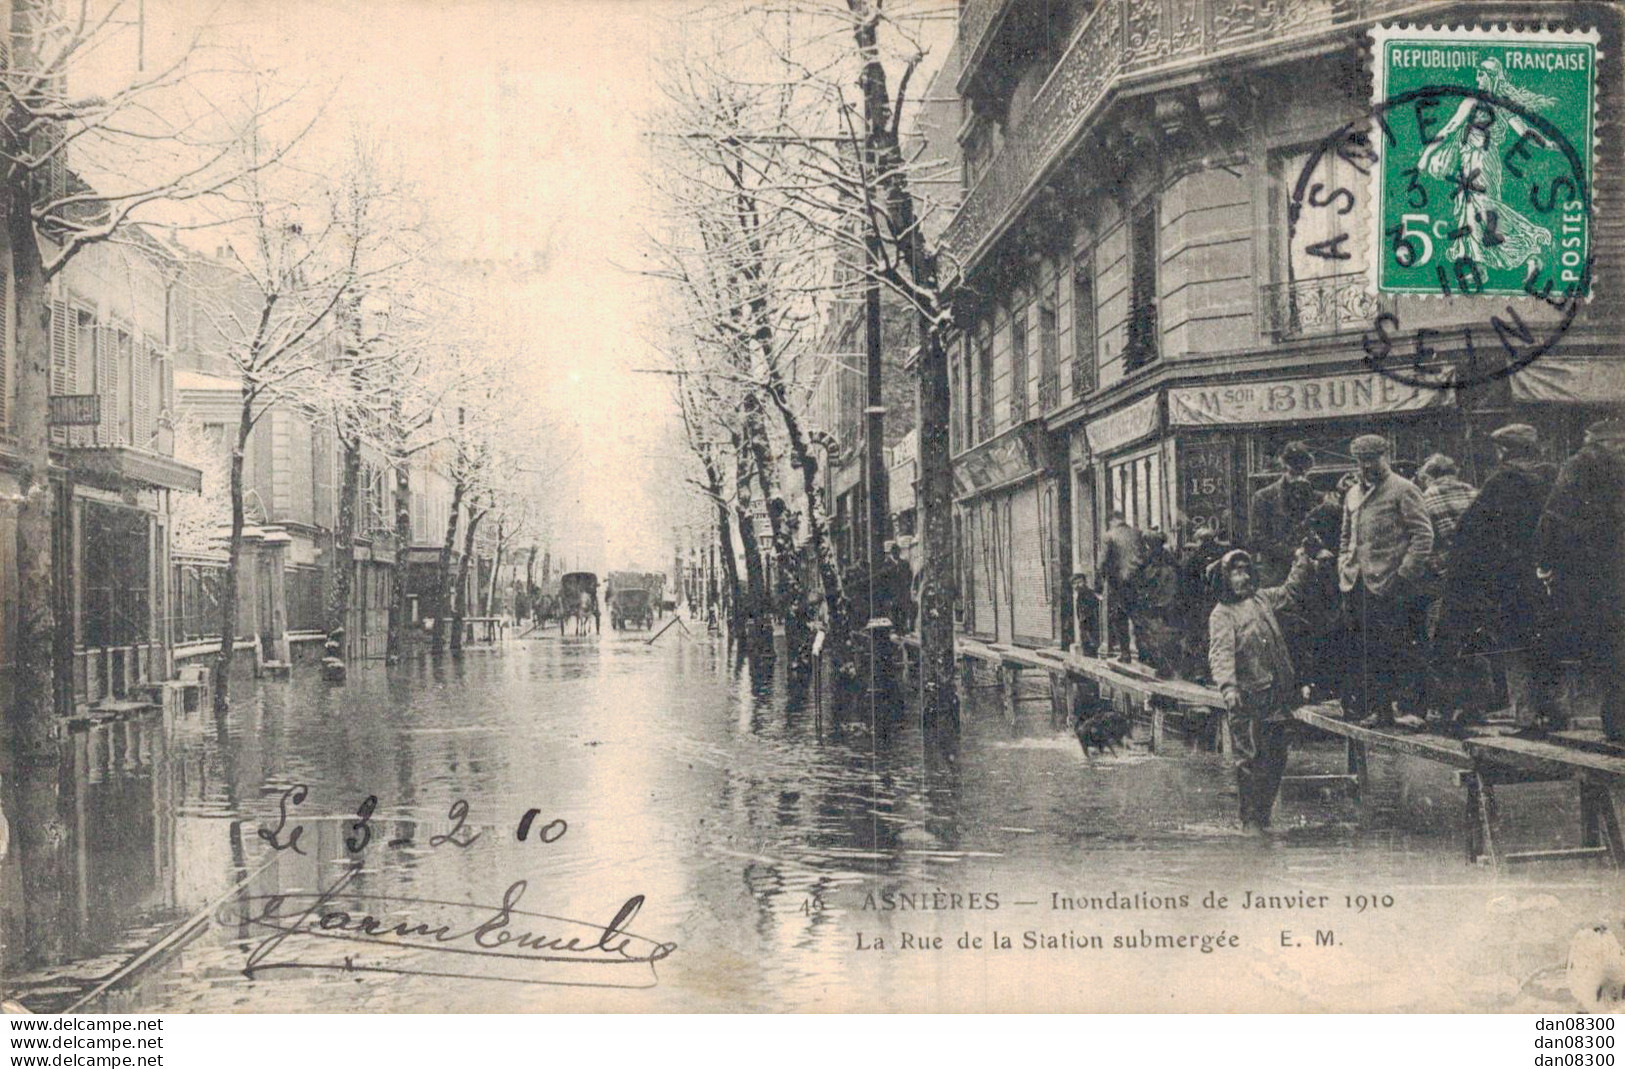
(509,943)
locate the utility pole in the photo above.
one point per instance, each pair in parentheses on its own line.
(875,419)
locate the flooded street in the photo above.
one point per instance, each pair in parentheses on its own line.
(784,861)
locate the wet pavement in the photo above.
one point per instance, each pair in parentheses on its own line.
(695,842)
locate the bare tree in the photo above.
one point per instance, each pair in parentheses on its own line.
(750,276)
(377,352)
(849,65)
(273,305)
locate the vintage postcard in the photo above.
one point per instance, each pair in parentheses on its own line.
(822,506)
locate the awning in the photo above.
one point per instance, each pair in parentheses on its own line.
(1574,381)
(117,467)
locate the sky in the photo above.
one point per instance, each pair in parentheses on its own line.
(518,123)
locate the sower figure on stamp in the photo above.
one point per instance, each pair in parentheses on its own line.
(1249,662)
(1578,555)
(1385,543)
(1492,602)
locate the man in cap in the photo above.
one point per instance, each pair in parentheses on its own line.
(1578,554)
(1279,509)
(1382,556)
(1492,602)
(1249,663)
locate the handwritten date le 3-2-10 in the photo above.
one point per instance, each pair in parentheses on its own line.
(359,831)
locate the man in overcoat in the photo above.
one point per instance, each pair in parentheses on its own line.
(1122,550)
(1382,556)
(1492,603)
(1278,511)
(1578,552)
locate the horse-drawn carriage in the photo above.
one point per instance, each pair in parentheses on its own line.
(578,601)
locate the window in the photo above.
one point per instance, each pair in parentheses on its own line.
(1018,364)
(984,381)
(125,388)
(1136,489)
(1142,315)
(1321,255)
(1049,384)
(1330,218)
(956,428)
(1084,377)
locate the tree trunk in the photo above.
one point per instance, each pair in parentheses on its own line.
(803,460)
(474,518)
(725,547)
(234,553)
(939,697)
(41,834)
(496,569)
(758,617)
(442,586)
(343,568)
(789,601)
(729,594)
(403,539)
(939,700)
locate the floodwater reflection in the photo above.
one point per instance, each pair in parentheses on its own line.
(763,837)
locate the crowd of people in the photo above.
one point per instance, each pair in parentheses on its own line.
(1408,599)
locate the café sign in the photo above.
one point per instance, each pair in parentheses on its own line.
(1323,397)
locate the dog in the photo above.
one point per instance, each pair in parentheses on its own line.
(1099,731)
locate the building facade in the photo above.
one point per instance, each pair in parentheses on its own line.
(1149,325)
(113,469)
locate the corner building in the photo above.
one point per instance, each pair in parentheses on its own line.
(1148,329)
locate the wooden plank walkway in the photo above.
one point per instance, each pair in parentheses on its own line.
(1481,763)
(1327,717)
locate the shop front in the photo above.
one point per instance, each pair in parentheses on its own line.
(1011,525)
(1228,437)
(1116,462)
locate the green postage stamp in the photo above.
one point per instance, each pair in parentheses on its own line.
(1484,185)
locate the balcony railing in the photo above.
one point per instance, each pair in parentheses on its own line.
(1319,306)
(1120,39)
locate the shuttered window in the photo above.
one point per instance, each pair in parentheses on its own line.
(1019,364)
(106,385)
(143,359)
(1083,328)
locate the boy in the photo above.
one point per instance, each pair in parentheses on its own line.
(1247,655)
